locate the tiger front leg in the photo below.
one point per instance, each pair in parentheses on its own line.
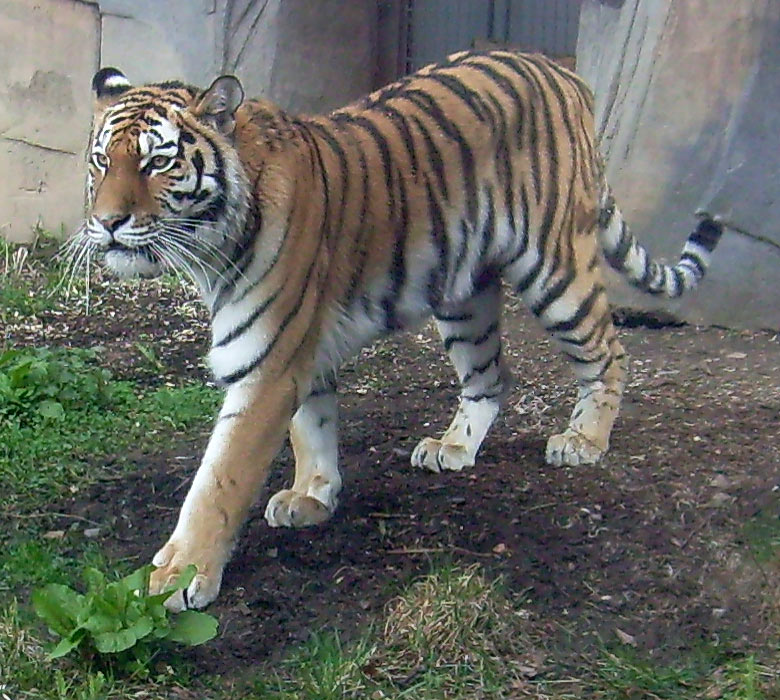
(249,432)
(314,435)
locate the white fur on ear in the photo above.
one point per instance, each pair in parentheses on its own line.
(219,102)
(109,83)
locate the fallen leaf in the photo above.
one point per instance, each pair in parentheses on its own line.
(625,638)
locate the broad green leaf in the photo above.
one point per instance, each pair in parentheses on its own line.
(192,628)
(98,623)
(95,579)
(67,644)
(142,627)
(59,607)
(185,577)
(139,579)
(51,409)
(114,642)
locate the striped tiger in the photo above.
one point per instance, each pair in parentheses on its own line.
(311,236)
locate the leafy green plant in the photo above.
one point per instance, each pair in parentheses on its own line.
(44,383)
(120,617)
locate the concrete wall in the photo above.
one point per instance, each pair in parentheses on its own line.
(49,50)
(687,97)
(307,56)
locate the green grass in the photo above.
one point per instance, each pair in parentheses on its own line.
(761,534)
(87,418)
(706,672)
(29,282)
(452,635)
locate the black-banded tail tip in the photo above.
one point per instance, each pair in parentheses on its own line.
(707,233)
(109,82)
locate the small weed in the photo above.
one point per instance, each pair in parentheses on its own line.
(119,618)
(41,384)
(27,674)
(147,352)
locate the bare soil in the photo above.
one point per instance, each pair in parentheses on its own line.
(655,547)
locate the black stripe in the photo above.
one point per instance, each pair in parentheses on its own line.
(434,156)
(554,292)
(453,318)
(363,228)
(468,96)
(398,267)
(695,261)
(490,331)
(707,234)
(428,105)
(440,240)
(481,369)
(488,230)
(399,119)
(507,87)
(583,311)
(382,147)
(242,327)
(344,169)
(257,361)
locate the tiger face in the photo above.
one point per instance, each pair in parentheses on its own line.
(160,189)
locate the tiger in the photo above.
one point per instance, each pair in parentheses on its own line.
(310,236)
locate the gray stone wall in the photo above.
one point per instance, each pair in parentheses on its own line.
(687,97)
(49,50)
(307,56)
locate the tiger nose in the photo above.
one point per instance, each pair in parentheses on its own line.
(112,223)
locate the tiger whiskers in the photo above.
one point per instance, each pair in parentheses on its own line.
(74,254)
(187,239)
(183,255)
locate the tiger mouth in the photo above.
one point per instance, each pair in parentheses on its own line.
(143,251)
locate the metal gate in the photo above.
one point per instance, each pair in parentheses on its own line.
(435,28)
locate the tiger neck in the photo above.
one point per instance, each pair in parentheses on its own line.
(256,224)
(219,273)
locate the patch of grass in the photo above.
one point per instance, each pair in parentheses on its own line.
(29,562)
(625,674)
(29,280)
(762,535)
(45,452)
(453,635)
(39,383)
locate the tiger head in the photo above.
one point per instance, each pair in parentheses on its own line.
(164,186)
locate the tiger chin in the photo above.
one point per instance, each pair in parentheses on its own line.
(311,236)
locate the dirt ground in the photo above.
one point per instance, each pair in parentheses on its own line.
(654,547)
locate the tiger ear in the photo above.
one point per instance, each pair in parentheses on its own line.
(107,85)
(218,104)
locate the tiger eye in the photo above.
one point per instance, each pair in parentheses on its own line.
(159,162)
(101,159)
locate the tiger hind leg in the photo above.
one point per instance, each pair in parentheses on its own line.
(472,338)
(573,306)
(313,497)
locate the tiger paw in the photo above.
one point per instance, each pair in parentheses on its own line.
(437,456)
(171,561)
(572,449)
(289,508)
